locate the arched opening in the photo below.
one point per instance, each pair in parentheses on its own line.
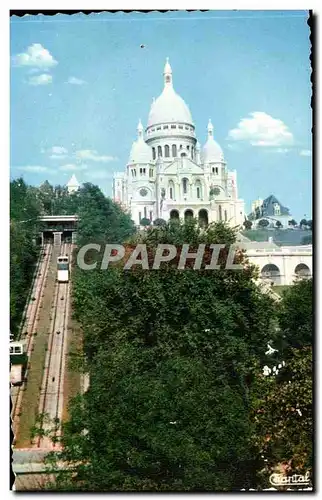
(166,151)
(174,150)
(198,189)
(185,185)
(188,215)
(203,218)
(159,151)
(153,153)
(183,154)
(226,217)
(220,212)
(171,190)
(271,273)
(174,215)
(302,271)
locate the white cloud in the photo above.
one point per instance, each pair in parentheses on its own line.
(75,81)
(72,166)
(42,79)
(306,152)
(89,154)
(33,168)
(261,129)
(99,174)
(58,153)
(278,150)
(36,56)
(58,150)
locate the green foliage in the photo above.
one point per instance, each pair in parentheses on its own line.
(247,224)
(159,222)
(24,210)
(292,222)
(303,222)
(101,220)
(283,408)
(306,240)
(263,223)
(170,358)
(279,224)
(145,222)
(296,314)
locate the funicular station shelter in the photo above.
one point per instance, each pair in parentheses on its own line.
(58,229)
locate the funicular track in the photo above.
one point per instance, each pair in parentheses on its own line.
(29,324)
(51,395)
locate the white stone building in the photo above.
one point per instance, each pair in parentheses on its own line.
(168,175)
(73,184)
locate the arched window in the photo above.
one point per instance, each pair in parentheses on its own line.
(171,190)
(153,153)
(192,152)
(183,154)
(159,151)
(185,185)
(174,150)
(198,189)
(226,216)
(166,151)
(220,212)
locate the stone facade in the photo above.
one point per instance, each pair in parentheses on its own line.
(168,175)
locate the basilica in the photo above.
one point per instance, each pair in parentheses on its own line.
(168,174)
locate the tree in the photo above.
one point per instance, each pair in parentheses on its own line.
(296,314)
(303,223)
(306,240)
(279,224)
(292,223)
(263,223)
(247,224)
(159,222)
(101,220)
(283,408)
(310,224)
(168,407)
(24,210)
(145,222)
(46,198)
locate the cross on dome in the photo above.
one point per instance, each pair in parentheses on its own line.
(167,73)
(210,128)
(140,129)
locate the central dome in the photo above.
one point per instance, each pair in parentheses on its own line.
(169,107)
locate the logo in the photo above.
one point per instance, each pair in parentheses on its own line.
(295,480)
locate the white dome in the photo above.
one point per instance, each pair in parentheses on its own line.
(169,107)
(140,151)
(212,152)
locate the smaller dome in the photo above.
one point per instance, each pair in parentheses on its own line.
(212,152)
(140,151)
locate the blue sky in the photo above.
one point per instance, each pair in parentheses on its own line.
(80,83)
